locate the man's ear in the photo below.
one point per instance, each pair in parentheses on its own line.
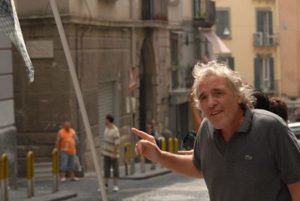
(240,99)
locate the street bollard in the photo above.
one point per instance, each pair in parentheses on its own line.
(30,174)
(176,145)
(142,164)
(4,177)
(170,145)
(127,157)
(163,144)
(55,170)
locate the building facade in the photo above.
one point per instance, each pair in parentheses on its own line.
(289,38)
(133,60)
(263,37)
(7,118)
(250,30)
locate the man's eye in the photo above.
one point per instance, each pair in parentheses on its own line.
(218,93)
(202,98)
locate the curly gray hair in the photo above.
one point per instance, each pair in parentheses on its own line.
(235,82)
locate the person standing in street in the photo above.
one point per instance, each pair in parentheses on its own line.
(153,131)
(66,145)
(111,151)
(242,153)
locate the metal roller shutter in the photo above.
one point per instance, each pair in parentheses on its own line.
(106,104)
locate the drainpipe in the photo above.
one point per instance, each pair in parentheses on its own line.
(277,52)
(131,95)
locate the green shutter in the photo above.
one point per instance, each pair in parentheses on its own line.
(270,27)
(272,81)
(196,9)
(259,21)
(257,72)
(231,62)
(222,22)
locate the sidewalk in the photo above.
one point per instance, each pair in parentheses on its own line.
(43,189)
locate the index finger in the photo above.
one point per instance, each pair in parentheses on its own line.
(142,134)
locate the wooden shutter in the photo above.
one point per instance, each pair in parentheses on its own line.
(257,72)
(272,85)
(259,21)
(270,31)
(231,62)
(222,22)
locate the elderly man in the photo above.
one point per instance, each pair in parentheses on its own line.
(242,153)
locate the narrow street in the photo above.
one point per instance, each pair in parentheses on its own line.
(169,187)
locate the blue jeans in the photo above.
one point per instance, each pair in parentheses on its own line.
(67,162)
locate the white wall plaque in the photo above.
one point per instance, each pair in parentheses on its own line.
(40,49)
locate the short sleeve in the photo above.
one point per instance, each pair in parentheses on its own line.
(287,155)
(196,154)
(116,136)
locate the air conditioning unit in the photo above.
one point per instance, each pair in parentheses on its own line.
(258,39)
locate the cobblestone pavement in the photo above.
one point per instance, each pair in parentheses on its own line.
(194,190)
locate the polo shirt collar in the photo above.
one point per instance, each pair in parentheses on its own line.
(246,124)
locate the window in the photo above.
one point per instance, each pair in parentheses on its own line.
(223,23)
(201,48)
(264,26)
(264,73)
(154,10)
(200,8)
(227,59)
(174,49)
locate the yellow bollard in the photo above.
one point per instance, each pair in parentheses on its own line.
(176,145)
(163,144)
(4,177)
(170,145)
(127,156)
(55,170)
(30,174)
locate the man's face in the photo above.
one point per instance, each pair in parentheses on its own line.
(107,122)
(67,125)
(218,102)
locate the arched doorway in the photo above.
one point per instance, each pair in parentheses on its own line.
(147,98)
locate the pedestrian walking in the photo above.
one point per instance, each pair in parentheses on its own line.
(66,144)
(242,153)
(153,131)
(111,152)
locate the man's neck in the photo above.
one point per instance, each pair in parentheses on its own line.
(229,131)
(110,125)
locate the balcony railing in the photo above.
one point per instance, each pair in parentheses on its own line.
(182,78)
(204,17)
(155,10)
(261,39)
(269,86)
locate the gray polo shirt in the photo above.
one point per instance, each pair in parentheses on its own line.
(256,164)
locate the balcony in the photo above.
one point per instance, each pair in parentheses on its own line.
(204,14)
(261,39)
(155,10)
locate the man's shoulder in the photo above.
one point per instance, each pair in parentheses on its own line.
(266,117)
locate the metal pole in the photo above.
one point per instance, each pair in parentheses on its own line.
(55,170)
(30,174)
(79,97)
(4,177)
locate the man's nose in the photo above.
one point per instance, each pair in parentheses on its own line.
(211,101)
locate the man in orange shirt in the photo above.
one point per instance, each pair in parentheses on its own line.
(66,144)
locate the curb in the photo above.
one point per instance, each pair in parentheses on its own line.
(141,176)
(58,196)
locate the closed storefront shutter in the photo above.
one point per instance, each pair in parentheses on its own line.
(106,104)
